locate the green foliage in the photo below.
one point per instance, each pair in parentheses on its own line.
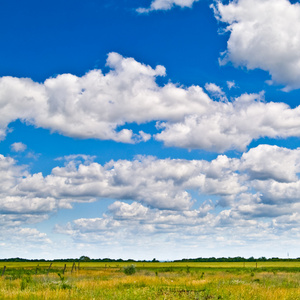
(63,283)
(129,270)
(185,282)
(167,269)
(25,282)
(84,258)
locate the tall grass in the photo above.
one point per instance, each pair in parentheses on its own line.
(158,281)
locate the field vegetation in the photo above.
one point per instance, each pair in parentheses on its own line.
(150,280)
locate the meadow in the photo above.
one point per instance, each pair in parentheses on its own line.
(150,280)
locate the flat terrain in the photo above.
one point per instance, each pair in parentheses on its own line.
(238,280)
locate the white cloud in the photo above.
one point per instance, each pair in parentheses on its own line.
(274,192)
(18,147)
(199,229)
(23,242)
(33,155)
(97,105)
(163,184)
(166,5)
(87,159)
(216,91)
(27,205)
(232,125)
(231,85)
(272,162)
(264,34)
(266,172)
(253,198)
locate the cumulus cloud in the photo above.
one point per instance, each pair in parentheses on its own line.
(18,147)
(158,183)
(166,184)
(101,106)
(265,35)
(161,184)
(95,105)
(232,125)
(166,5)
(27,205)
(197,229)
(254,195)
(137,219)
(272,162)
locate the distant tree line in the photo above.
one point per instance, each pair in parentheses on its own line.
(199,259)
(235,259)
(82,258)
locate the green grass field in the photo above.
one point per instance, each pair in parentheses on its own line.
(152,280)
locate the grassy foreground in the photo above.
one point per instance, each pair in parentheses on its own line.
(269,280)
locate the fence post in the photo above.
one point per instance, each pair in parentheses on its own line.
(49,268)
(37,267)
(3,270)
(73,266)
(64,268)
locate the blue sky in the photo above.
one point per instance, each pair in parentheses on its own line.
(141,129)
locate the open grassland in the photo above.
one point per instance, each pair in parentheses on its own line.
(269,280)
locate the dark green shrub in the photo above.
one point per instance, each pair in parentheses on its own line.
(129,270)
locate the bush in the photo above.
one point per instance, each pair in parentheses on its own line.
(129,270)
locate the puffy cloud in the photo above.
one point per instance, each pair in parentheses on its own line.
(162,184)
(123,210)
(158,183)
(274,192)
(23,205)
(265,175)
(18,147)
(272,162)
(287,222)
(252,198)
(127,220)
(264,34)
(166,5)
(95,105)
(27,205)
(232,125)
(134,224)
(269,172)
(100,106)
(274,172)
